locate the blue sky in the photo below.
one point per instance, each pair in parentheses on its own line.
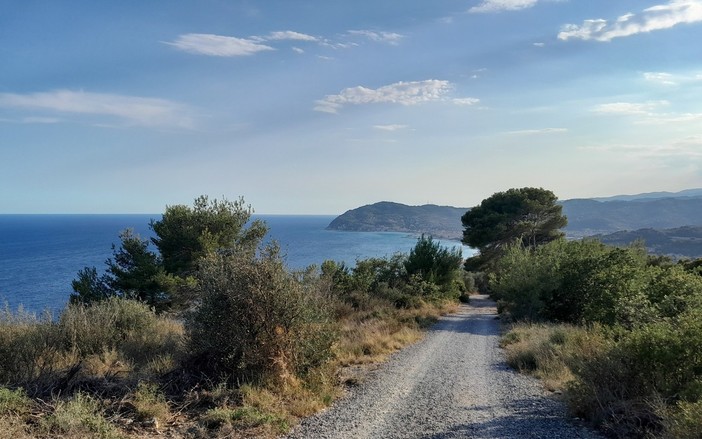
(322,106)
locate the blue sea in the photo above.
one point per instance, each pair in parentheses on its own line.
(41,254)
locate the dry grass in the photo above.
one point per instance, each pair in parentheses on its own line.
(369,337)
(550,352)
(78,417)
(114,393)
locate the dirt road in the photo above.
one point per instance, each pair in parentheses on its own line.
(453,384)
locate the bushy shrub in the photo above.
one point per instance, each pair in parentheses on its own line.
(80,416)
(39,352)
(118,324)
(649,374)
(30,347)
(149,402)
(435,264)
(257,321)
(14,402)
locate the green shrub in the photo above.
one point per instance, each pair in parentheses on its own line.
(684,421)
(246,417)
(149,402)
(433,264)
(14,402)
(633,386)
(80,416)
(257,321)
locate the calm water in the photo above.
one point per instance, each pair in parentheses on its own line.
(41,254)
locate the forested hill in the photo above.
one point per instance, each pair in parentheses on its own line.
(438,221)
(586,217)
(682,241)
(590,217)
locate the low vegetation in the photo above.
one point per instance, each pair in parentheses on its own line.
(621,333)
(617,331)
(216,340)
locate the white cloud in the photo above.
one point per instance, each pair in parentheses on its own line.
(465,101)
(298,50)
(660,77)
(502,5)
(658,17)
(539,44)
(391,127)
(629,108)
(131,109)
(380,37)
(403,93)
(289,35)
(218,45)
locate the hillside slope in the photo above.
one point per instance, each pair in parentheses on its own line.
(586,217)
(681,241)
(438,221)
(590,217)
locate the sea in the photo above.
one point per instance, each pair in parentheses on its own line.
(41,254)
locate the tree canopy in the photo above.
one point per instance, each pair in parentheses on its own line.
(528,215)
(184,236)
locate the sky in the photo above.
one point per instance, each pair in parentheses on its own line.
(321,106)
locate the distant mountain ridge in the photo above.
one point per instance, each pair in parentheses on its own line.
(586,217)
(653,195)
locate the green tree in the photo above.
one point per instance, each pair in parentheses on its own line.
(432,263)
(90,287)
(530,216)
(134,272)
(185,234)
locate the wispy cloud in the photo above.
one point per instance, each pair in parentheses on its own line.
(133,110)
(380,37)
(629,108)
(288,35)
(403,93)
(647,113)
(660,78)
(538,131)
(231,46)
(218,45)
(465,101)
(486,6)
(391,127)
(32,120)
(671,79)
(686,148)
(663,16)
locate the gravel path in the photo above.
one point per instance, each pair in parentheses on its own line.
(453,384)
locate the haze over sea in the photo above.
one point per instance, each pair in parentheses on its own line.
(41,254)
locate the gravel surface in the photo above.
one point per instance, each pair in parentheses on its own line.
(453,384)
